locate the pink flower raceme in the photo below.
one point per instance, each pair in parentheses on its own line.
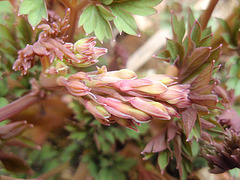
(51,47)
(118,96)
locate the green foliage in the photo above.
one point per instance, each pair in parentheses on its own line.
(111,166)
(50,157)
(35,9)
(231,34)
(97,17)
(234,75)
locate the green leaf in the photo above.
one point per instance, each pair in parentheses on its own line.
(105,12)
(191,19)
(235,173)
(235,31)
(95,18)
(3,87)
(103,29)
(178,28)
(196,131)
(231,82)
(3,102)
(36,10)
(5,7)
(25,34)
(91,19)
(176,50)
(206,32)
(85,15)
(106,2)
(138,7)
(237,88)
(164,55)
(135,8)
(206,42)
(163,159)
(5,34)
(227,38)
(125,164)
(234,70)
(78,135)
(27,141)
(218,128)
(196,33)
(224,25)
(124,21)
(109,136)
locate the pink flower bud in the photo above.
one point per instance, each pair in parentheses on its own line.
(75,87)
(123,110)
(97,110)
(141,86)
(167,80)
(152,108)
(177,95)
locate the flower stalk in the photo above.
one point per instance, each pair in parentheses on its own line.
(19,105)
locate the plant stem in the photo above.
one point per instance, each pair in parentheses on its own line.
(55,171)
(74,16)
(204,18)
(18,105)
(66,3)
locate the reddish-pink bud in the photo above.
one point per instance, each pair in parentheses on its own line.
(152,108)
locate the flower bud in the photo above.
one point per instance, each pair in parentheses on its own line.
(165,79)
(176,95)
(75,87)
(123,110)
(152,108)
(141,86)
(97,110)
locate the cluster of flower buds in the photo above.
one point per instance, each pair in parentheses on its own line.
(119,96)
(86,52)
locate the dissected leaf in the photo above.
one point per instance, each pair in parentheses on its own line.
(107,2)
(178,28)
(105,12)
(138,7)
(95,18)
(124,21)
(35,9)
(176,50)
(164,55)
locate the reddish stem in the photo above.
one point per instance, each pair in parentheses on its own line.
(74,16)
(17,106)
(204,18)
